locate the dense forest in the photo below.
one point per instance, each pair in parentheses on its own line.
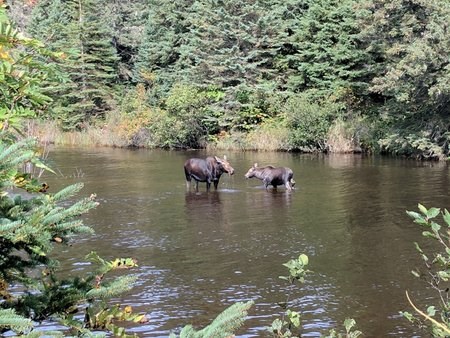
(292,75)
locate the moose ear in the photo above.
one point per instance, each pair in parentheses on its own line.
(218,159)
(225,157)
(255,165)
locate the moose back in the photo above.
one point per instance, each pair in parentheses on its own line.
(206,170)
(272,176)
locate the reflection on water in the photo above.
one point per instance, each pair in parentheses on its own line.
(200,252)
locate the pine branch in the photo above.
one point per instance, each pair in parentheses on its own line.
(12,150)
(115,288)
(68,192)
(10,320)
(227,322)
(223,326)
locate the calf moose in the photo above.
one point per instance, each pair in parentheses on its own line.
(206,170)
(273,176)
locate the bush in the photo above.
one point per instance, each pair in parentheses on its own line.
(418,145)
(189,112)
(309,122)
(271,135)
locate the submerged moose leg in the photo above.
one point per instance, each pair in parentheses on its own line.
(266,183)
(292,182)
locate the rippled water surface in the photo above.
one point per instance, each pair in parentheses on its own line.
(200,252)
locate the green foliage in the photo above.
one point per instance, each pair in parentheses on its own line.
(328,57)
(309,121)
(382,61)
(89,59)
(126,20)
(21,92)
(297,269)
(10,320)
(187,118)
(289,325)
(343,53)
(227,46)
(33,221)
(410,82)
(192,106)
(349,325)
(418,145)
(223,326)
(437,270)
(289,322)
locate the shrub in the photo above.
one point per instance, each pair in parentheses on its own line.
(436,272)
(190,114)
(309,122)
(418,145)
(271,135)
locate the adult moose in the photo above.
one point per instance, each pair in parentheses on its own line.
(272,176)
(206,170)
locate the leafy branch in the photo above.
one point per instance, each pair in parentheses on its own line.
(437,269)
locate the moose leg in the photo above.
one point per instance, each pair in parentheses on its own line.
(292,183)
(188,178)
(288,185)
(216,183)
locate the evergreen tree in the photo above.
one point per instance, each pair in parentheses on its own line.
(53,22)
(78,29)
(127,21)
(213,45)
(166,34)
(409,39)
(98,58)
(328,58)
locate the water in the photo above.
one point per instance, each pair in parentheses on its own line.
(200,252)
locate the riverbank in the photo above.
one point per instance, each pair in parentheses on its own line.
(267,137)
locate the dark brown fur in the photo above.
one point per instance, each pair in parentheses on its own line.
(272,176)
(206,170)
